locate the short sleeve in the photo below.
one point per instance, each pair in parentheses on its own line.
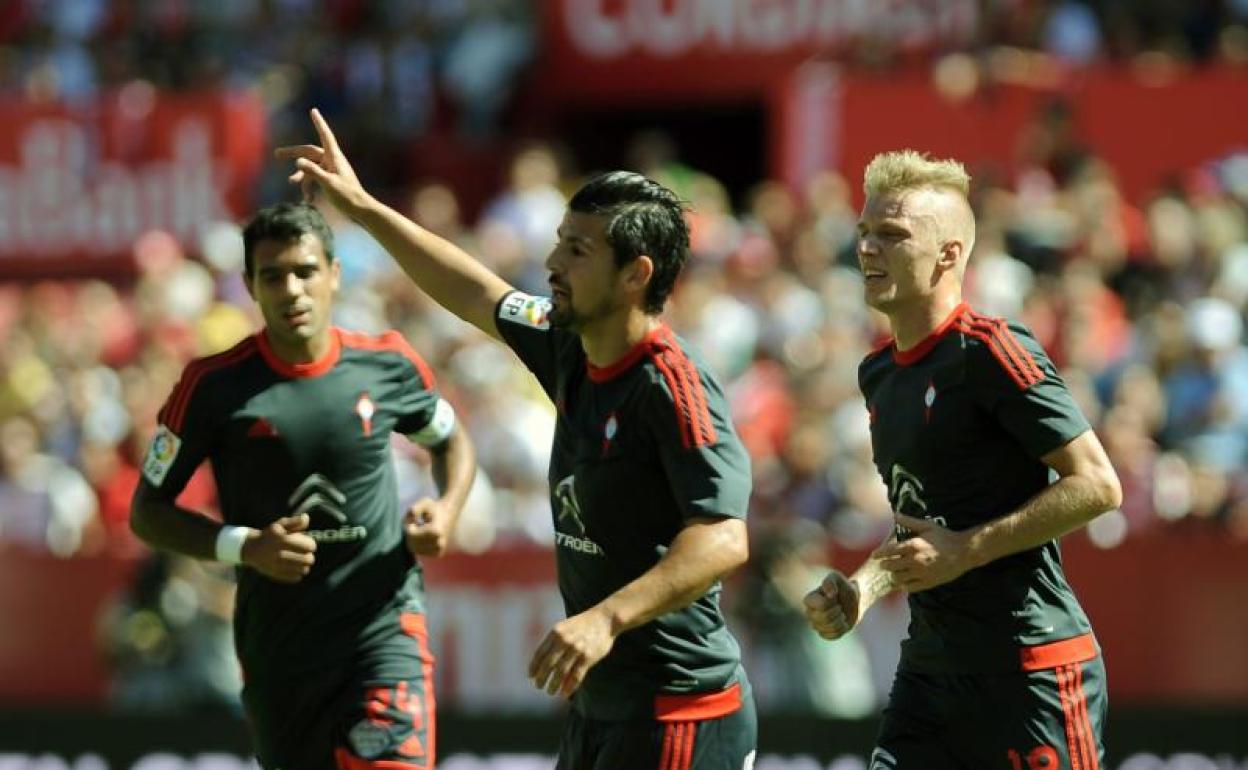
(706,464)
(1024,393)
(421,413)
(183,435)
(523,321)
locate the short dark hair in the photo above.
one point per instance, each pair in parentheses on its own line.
(643,217)
(286,222)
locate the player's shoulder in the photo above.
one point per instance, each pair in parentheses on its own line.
(875,364)
(681,386)
(670,360)
(388,346)
(879,356)
(228,359)
(206,374)
(998,346)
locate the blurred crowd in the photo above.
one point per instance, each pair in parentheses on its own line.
(1140,302)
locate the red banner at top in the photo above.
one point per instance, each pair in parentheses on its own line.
(78,184)
(682,48)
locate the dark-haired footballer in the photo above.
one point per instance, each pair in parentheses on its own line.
(988,462)
(296,422)
(649,482)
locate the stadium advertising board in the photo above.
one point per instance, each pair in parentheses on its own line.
(79,183)
(1158,740)
(826,117)
(724,47)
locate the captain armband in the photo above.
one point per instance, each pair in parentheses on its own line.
(440,426)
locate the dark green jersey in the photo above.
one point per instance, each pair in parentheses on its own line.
(315,438)
(958,426)
(640,447)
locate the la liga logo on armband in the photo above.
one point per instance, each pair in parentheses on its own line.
(160,455)
(526,310)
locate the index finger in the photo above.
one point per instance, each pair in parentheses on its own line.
(322,130)
(309,151)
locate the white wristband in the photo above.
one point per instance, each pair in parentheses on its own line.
(230,543)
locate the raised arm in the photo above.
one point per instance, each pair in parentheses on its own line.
(446,272)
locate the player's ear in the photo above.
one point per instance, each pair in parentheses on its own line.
(639,273)
(335,274)
(951,253)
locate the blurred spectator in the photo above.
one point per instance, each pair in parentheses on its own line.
(170,639)
(793,670)
(45,503)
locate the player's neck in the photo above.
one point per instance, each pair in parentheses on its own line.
(306,351)
(915,323)
(611,338)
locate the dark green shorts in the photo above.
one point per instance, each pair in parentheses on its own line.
(353,717)
(1048,719)
(679,738)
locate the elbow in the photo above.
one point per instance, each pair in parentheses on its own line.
(1113,491)
(736,550)
(1108,489)
(140,518)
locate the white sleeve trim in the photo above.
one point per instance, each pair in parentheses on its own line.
(440,426)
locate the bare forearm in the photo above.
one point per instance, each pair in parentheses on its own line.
(1062,507)
(454,469)
(874,583)
(447,273)
(699,556)
(169,527)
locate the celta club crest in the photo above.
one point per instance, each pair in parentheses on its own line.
(569,507)
(365,408)
(929,398)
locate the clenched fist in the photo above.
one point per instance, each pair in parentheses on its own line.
(427,527)
(832,608)
(281,551)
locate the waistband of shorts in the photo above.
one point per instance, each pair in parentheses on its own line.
(1040,657)
(697,707)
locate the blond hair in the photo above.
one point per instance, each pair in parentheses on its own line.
(900,170)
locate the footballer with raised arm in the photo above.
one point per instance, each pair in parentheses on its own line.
(649,483)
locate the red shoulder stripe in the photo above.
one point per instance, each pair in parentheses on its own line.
(692,410)
(1009,340)
(682,408)
(1006,348)
(1002,358)
(699,413)
(394,342)
(1003,348)
(174,412)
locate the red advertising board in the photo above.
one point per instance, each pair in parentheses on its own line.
(1147,129)
(665,49)
(78,184)
(1167,611)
